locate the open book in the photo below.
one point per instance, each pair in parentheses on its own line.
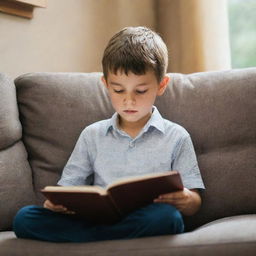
(122,197)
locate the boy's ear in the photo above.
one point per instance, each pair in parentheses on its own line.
(104,81)
(163,85)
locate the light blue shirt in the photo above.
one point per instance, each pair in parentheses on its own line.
(106,153)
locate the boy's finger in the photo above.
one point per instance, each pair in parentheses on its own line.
(49,205)
(169,197)
(69,212)
(59,208)
(169,201)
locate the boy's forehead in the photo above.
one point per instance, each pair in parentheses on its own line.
(121,75)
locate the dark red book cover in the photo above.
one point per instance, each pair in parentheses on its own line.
(122,197)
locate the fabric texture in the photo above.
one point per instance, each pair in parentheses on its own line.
(33,222)
(15,174)
(10,126)
(232,236)
(109,154)
(54,109)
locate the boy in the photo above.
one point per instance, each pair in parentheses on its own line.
(136,140)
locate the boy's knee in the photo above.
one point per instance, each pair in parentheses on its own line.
(22,214)
(22,220)
(174,220)
(167,219)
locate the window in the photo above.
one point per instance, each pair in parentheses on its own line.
(242,26)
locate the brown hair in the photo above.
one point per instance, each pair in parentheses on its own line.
(136,50)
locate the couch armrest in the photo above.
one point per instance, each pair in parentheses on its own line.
(16,187)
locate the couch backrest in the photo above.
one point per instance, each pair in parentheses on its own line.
(54,109)
(15,173)
(217,108)
(219,111)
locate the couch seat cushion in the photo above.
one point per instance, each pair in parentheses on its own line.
(227,236)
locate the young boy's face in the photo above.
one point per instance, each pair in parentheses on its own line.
(133,96)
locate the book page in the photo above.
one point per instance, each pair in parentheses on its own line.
(132,179)
(82,189)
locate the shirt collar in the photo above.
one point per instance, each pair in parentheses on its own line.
(156,121)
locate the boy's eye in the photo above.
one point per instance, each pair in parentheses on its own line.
(142,92)
(118,91)
(122,91)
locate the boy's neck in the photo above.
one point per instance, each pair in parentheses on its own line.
(133,128)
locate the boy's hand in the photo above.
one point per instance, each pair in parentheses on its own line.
(186,201)
(57,208)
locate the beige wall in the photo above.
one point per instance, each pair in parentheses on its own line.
(68,35)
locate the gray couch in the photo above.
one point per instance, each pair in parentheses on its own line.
(42,114)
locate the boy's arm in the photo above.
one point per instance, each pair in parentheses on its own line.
(76,172)
(186,201)
(78,167)
(185,162)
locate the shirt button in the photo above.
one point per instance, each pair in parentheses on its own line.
(132,144)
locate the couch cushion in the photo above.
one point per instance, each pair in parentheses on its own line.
(10,127)
(226,237)
(15,173)
(54,108)
(218,110)
(16,189)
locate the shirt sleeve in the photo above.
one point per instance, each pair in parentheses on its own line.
(185,162)
(78,170)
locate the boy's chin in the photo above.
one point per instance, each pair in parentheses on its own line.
(130,119)
(133,118)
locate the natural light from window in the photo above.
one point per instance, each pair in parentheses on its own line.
(242,26)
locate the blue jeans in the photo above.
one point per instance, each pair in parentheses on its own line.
(36,222)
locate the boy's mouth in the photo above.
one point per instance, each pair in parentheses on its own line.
(129,111)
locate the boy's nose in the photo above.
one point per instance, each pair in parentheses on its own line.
(129,99)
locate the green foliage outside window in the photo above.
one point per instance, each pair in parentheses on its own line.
(242,26)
